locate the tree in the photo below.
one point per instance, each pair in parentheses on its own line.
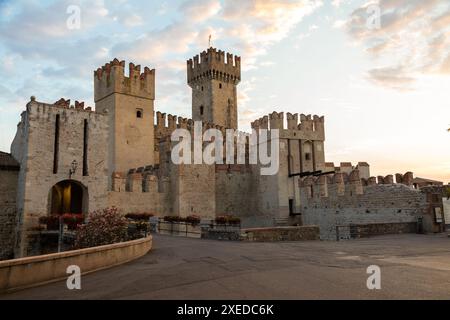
(447,191)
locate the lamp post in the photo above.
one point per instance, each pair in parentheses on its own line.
(73,168)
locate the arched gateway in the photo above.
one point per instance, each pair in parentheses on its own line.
(68,196)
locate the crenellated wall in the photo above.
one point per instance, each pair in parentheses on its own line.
(34,149)
(111,78)
(343,199)
(140,190)
(166,124)
(214,83)
(309,127)
(212,64)
(348,167)
(128,102)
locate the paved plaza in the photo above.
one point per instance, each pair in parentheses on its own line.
(412,267)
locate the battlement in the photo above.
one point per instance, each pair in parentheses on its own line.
(348,167)
(341,183)
(63,103)
(211,64)
(275,120)
(140,180)
(166,124)
(111,78)
(43,111)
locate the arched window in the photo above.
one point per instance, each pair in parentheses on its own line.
(201,110)
(139,113)
(220,86)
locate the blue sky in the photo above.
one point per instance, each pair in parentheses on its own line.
(384,91)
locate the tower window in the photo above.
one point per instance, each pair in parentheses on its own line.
(139,113)
(202,88)
(201,110)
(307,156)
(220,86)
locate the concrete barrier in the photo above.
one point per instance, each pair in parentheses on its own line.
(33,271)
(281,234)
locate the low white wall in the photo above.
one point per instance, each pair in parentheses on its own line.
(33,271)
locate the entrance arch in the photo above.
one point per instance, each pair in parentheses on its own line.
(68,196)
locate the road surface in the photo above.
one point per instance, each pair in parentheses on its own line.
(412,267)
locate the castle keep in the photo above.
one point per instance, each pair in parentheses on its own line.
(71,158)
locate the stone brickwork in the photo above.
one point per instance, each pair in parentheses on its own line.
(128,101)
(348,167)
(214,83)
(8,211)
(344,200)
(140,191)
(367,230)
(302,233)
(220,234)
(34,148)
(129,161)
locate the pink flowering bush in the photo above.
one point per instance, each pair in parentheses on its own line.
(104,227)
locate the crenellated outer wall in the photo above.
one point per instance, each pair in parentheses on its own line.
(34,148)
(344,200)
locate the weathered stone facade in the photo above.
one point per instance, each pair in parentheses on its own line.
(347,201)
(76,160)
(9,174)
(213,81)
(43,167)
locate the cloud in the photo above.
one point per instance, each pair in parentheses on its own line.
(36,23)
(258,24)
(58,61)
(336,3)
(413,39)
(396,78)
(339,24)
(200,10)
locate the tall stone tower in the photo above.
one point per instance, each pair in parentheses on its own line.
(214,83)
(129,102)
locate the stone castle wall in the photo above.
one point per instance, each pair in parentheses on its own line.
(140,191)
(128,102)
(36,158)
(214,81)
(8,212)
(345,200)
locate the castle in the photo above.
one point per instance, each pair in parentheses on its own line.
(72,158)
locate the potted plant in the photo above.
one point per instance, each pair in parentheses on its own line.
(139,216)
(193,220)
(51,222)
(174,219)
(73,221)
(228,220)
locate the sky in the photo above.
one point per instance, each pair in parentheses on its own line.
(379,71)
